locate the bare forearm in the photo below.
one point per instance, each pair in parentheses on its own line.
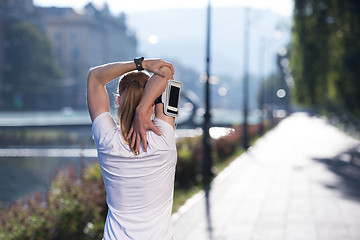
(97,97)
(107,72)
(154,88)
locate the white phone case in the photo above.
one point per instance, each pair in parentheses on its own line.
(170,110)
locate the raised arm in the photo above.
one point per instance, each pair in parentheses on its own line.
(154,88)
(97,97)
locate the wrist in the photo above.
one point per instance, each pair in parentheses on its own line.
(140,110)
(145,63)
(139,63)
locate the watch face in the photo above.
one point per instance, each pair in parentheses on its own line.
(138,63)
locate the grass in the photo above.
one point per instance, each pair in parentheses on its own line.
(221,165)
(181,195)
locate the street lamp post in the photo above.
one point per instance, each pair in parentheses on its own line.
(262,77)
(3,23)
(207,161)
(246,80)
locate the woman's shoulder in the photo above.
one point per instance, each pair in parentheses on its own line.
(163,125)
(103,124)
(166,140)
(104,118)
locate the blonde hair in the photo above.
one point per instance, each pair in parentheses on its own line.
(130,89)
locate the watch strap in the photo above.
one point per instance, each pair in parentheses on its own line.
(138,63)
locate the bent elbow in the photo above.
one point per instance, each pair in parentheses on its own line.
(91,74)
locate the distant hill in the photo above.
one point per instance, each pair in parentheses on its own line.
(181,36)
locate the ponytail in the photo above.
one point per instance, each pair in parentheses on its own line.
(131,87)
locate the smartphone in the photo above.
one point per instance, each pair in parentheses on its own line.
(171,98)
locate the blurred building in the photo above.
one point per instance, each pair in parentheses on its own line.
(80,38)
(86,38)
(11,11)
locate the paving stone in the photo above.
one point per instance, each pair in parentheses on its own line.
(285,187)
(305,231)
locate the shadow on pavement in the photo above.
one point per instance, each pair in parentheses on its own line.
(347,166)
(208,213)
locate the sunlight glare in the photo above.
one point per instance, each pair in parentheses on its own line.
(153,39)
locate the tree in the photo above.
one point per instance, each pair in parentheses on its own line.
(30,71)
(325,55)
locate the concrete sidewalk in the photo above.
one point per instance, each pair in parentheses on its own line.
(300,181)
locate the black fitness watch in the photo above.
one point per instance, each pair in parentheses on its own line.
(138,63)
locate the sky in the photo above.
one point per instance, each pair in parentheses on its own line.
(283,7)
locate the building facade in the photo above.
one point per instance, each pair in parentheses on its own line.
(83,39)
(80,39)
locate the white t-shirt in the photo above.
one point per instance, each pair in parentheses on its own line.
(139,187)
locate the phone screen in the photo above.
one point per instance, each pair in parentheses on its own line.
(174,96)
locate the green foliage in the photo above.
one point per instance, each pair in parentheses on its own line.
(75,207)
(93,173)
(189,162)
(190,155)
(325,56)
(71,210)
(31,72)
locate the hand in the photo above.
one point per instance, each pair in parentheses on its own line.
(154,65)
(138,129)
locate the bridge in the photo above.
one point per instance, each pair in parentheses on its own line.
(190,117)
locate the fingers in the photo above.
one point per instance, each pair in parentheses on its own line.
(157,64)
(144,140)
(138,141)
(137,138)
(133,139)
(155,129)
(171,67)
(160,73)
(128,136)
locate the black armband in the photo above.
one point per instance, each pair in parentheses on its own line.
(158,100)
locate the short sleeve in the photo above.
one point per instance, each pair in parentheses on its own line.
(102,125)
(167,139)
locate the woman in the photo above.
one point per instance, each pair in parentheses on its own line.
(139,181)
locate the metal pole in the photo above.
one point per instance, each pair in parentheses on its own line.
(246,80)
(262,77)
(207,161)
(3,22)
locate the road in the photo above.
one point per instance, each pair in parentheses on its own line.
(301,180)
